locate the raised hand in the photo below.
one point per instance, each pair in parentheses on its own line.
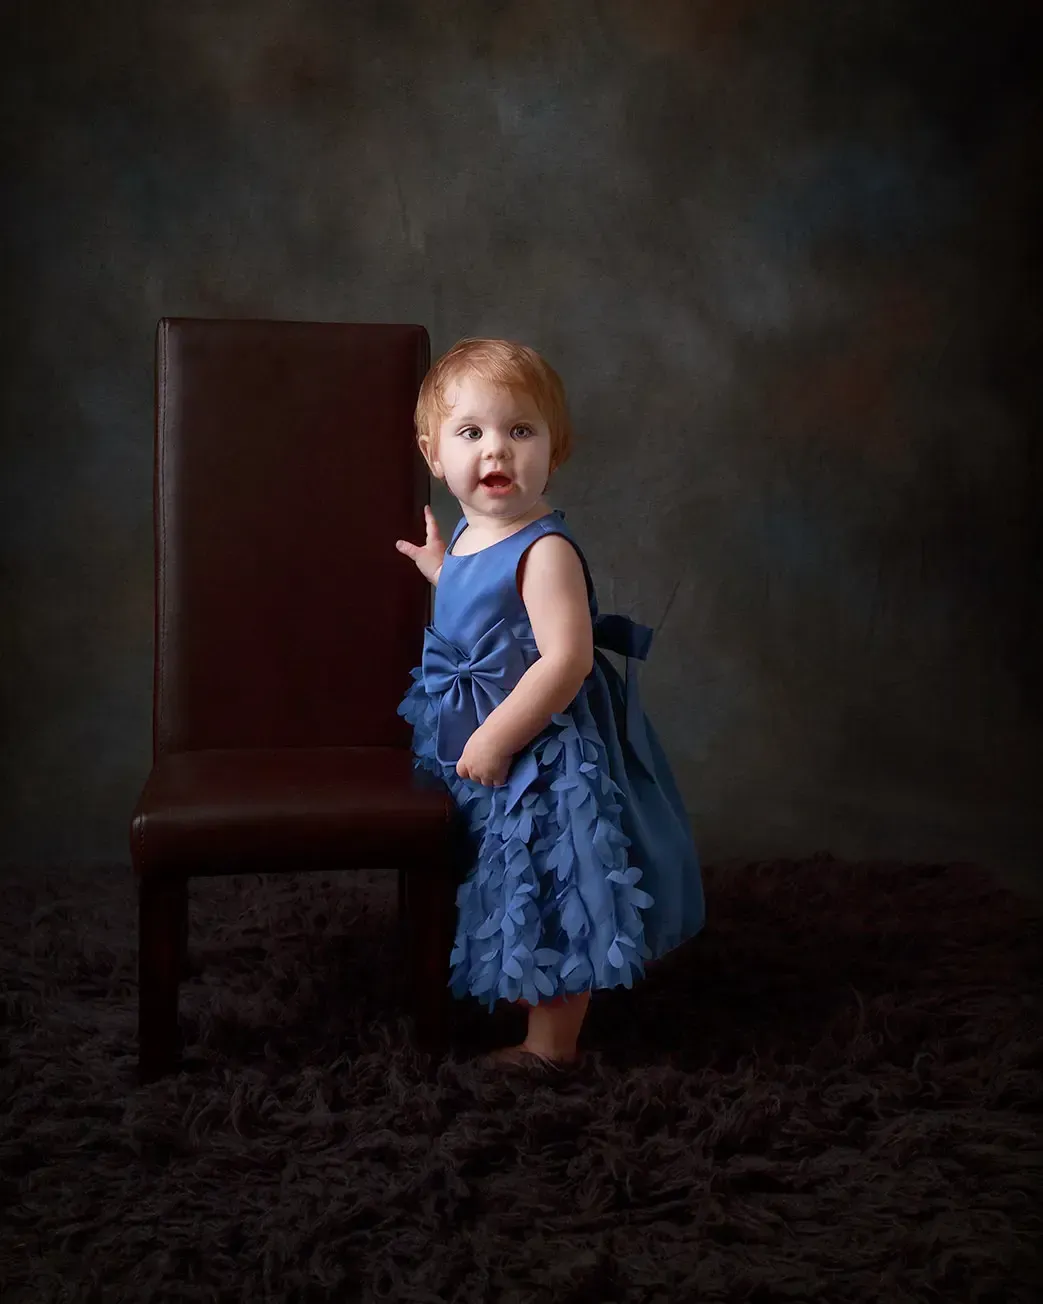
(429,557)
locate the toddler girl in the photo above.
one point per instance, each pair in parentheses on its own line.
(566,790)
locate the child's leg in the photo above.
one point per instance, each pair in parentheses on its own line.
(554,1026)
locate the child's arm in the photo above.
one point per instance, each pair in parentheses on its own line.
(554,591)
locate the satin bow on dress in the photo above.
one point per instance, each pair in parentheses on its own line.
(472,686)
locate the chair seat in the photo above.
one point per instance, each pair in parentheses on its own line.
(289,808)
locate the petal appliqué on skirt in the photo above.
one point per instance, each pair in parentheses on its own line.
(552,905)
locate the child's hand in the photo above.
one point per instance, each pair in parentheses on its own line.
(483,761)
(429,557)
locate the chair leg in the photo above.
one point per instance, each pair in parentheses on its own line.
(184,969)
(431,924)
(162,931)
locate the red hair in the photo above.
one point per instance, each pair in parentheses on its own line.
(502,363)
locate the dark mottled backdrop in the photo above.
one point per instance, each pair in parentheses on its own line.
(781,254)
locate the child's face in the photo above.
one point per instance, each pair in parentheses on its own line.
(492,429)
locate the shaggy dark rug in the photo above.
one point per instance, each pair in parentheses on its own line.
(832,1094)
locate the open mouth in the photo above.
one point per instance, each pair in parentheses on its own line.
(496,481)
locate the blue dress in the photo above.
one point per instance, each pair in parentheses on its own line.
(583,861)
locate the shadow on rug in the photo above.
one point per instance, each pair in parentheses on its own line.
(833,1093)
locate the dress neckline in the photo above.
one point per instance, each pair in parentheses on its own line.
(479,551)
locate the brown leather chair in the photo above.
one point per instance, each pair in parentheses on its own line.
(286,626)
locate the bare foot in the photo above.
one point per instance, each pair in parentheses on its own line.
(524,1056)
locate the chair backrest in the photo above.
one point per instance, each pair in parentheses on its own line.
(285,468)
